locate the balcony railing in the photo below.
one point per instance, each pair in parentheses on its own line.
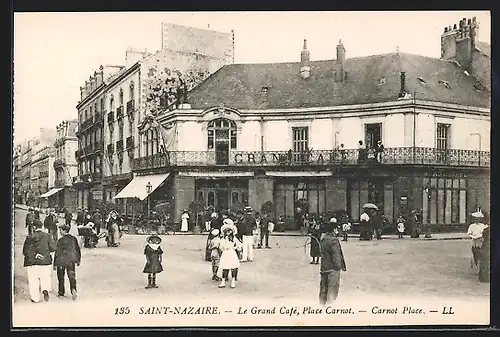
(348,157)
(129,143)
(59,163)
(119,112)
(98,146)
(111,117)
(119,146)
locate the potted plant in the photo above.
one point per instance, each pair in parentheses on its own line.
(164,210)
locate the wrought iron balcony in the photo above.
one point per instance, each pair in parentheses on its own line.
(96,176)
(119,112)
(58,163)
(98,118)
(347,157)
(111,117)
(98,146)
(119,146)
(130,107)
(129,143)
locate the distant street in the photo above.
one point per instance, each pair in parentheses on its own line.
(389,268)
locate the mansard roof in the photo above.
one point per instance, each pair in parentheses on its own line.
(370,79)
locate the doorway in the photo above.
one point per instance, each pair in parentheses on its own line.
(222,152)
(373,133)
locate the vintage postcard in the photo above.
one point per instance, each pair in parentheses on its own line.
(251,169)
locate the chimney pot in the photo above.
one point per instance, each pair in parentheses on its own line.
(455,26)
(403,84)
(445,29)
(305,44)
(469,21)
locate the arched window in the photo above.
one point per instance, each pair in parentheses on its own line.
(131,95)
(222,130)
(121,97)
(211,198)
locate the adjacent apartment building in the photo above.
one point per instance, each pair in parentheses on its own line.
(113,104)
(290,133)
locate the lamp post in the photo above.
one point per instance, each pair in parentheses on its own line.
(428,222)
(479,136)
(148,191)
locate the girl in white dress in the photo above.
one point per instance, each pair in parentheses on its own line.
(229,244)
(184,221)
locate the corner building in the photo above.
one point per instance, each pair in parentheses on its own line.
(289,132)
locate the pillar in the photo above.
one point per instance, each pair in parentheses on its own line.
(183,190)
(336,194)
(260,190)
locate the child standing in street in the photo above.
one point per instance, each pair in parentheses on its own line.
(400,226)
(153,253)
(214,247)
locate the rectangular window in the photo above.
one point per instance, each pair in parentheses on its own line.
(462,206)
(442,137)
(300,142)
(210,139)
(233,139)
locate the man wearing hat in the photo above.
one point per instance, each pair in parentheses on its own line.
(475,232)
(37,260)
(246,228)
(66,258)
(332,263)
(214,247)
(50,223)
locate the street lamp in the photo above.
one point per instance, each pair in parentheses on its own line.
(428,224)
(148,191)
(479,136)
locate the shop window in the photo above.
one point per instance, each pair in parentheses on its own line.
(211,198)
(235,197)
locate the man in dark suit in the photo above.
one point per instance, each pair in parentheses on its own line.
(376,223)
(263,224)
(247,225)
(29,221)
(332,262)
(37,250)
(50,223)
(67,256)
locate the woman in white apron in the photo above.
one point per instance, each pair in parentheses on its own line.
(475,232)
(184,221)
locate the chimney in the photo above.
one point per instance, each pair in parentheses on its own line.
(402,91)
(305,69)
(457,44)
(339,63)
(132,56)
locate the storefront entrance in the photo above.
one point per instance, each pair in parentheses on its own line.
(378,191)
(222,193)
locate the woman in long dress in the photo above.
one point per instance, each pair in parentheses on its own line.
(314,228)
(113,224)
(184,221)
(475,232)
(229,259)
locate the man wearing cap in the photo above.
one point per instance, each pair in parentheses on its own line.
(37,250)
(332,263)
(50,223)
(67,256)
(245,230)
(29,221)
(475,232)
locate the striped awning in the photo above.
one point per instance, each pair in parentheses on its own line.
(51,192)
(137,187)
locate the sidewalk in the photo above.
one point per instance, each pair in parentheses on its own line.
(435,236)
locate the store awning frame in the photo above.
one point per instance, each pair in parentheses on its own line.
(137,187)
(291,174)
(51,192)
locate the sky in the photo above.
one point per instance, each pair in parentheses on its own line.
(54,53)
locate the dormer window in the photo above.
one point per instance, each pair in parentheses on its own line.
(264,90)
(422,81)
(445,83)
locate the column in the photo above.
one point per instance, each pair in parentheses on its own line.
(336,194)
(260,190)
(183,190)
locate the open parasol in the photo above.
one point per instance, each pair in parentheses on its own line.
(370,205)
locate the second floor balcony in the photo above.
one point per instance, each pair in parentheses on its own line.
(111,117)
(130,107)
(129,143)
(417,156)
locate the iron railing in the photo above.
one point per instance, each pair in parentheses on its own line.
(59,163)
(130,107)
(119,146)
(347,157)
(111,117)
(129,143)
(60,183)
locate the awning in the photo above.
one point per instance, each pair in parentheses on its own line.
(51,192)
(137,187)
(299,174)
